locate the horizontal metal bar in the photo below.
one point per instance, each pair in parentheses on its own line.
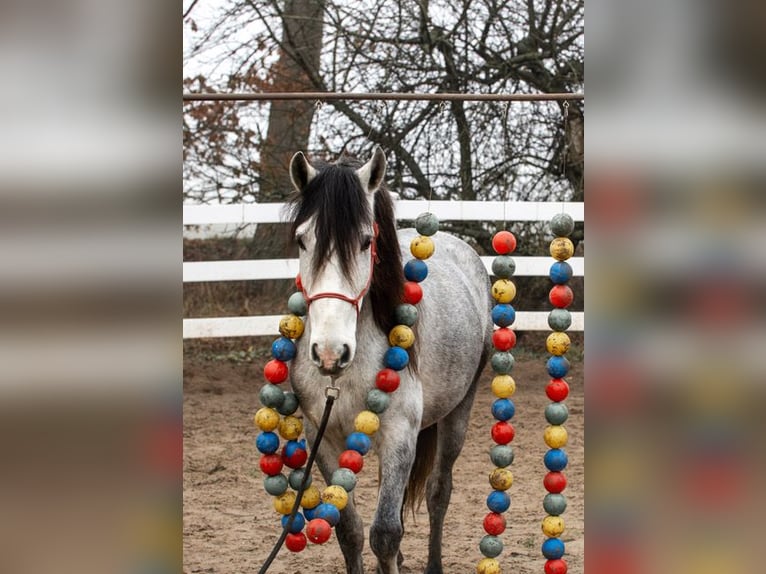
(330,96)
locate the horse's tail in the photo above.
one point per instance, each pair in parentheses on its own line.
(425,452)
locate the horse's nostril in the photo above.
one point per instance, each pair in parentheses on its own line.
(346,356)
(315,354)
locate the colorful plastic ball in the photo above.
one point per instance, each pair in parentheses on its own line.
(378,401)
(503,266)
(387,380)
(488,566)
(290,427)
(422,247)
(504,242)
(271,464)
(504,339)
(503,409)
(501,455)
(557,389)
(296,478)
(284,502)
(406,314)
(401,336)
(310,498)
(494,523)
(559,319)
(328,512)
(275,371)
(318,531)
(266,419)
(335,495)
(555,460)
(501,479)
(503,386)
(289,404)
(295,541)
(555,482)
(297,525)
(562,224)
(309,513)
(503,290)
(491,546)
(557,367)
(345,478)
(555,436)
(553,548)
(554,503)
(552,526)
(560,272)
(291,326)
(562,248)
(561,296)
(283,349)
(557,343)
(294,453)
(555,567)
(271,396)
(498,501)
(297,304)
(359,442)
(502,362)
(351,460)
(503,314)
(427,224)
(556,413)
(413,293)
(396,358)
(367,422)
(415,270)
(275,485)
(502,432)
(267,443)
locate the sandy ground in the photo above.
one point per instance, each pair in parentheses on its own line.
(230,525)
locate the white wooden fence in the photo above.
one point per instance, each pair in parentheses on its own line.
(260,269)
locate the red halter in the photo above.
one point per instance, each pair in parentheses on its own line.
(332,295)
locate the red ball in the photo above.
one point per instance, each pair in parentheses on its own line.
(561,296)
(298,282)
(557,390)
(318,530)
(275,371)
(504,242)
(494,523)
(556,567)
(413,293)
(387,380)
(351,460)
(295,542)
(555,482)
(502,432)
(271,464)
(504,339)
(297,459)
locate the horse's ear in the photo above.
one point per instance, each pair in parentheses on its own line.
(301,172)
(371,174)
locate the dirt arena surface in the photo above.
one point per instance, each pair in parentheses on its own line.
(230,525)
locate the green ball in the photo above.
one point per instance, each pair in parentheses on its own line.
(289,404)
(503,266)
(555,504)
(297,304)
(559,319)
(296,477)
(562,225)
(345,478)
(501,455)
(271,396)
(427,224)
(275,485)
(406,314)
(377,401)
(491,546)
(502,362)
(556,413)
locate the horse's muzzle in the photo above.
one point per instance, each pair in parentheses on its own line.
(330,361)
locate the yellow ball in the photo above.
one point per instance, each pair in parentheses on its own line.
(290,427)
(335,495)
(266,419)
(557,343)
(488,566)
(503,290)
(422,247)
(501,479)
(310,498)
(503,386)
(284,502)
(562,248)
(401,336)
(555,436)
(367,422)
(553,526)
(291,326)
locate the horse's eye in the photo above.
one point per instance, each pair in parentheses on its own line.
(301,245)
(366,243)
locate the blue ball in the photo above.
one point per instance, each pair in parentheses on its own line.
(298,523)
(558,366)
(561,272)
(498,501)
(310,513)
(555,460)
(328,512)
(283,349)
(293,445)
(503,314)
(553,548)
(396,358)
(503,409)
(415,270)
(267,442)
(359,442)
